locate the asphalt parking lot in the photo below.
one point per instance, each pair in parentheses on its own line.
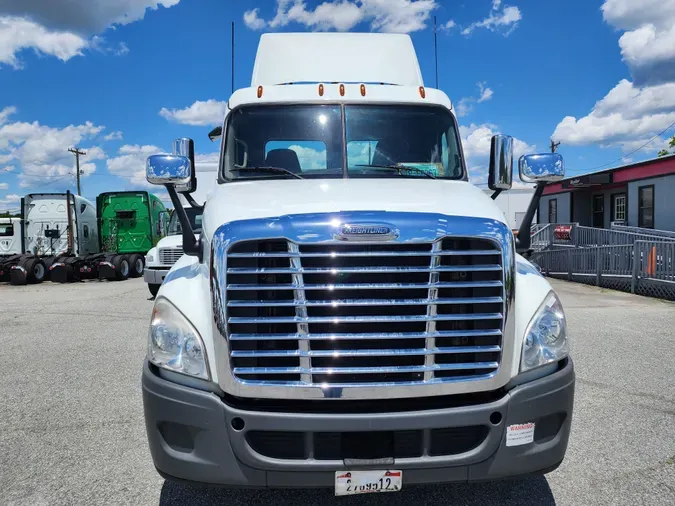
(72,430)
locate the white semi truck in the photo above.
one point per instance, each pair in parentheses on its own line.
(57,237)
(160,259)
(354,313)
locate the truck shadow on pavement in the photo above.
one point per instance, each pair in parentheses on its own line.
(534,491)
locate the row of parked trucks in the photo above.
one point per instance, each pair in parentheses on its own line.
(66,237)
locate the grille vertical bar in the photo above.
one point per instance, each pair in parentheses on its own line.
(432,310)
(301,313)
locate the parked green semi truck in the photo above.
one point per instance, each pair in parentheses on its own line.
(131,223)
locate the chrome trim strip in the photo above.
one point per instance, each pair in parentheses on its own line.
(367,302)
(368,353)
(318,229)
(366,319)
(477,252)
(373,336)
(370,270)
(370,286)
(365,370)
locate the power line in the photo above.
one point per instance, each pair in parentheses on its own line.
(635,150)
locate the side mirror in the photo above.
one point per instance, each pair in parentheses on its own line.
(544,168)
(172,170)
(501,163)
(186,147)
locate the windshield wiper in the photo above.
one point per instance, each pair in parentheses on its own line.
(399,168)
(267,169)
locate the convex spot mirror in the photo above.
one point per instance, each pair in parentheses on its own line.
(544,167)
(501,163)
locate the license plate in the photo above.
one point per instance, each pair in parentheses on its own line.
(367,482)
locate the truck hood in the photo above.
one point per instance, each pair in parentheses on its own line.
(170,241)
(264,199)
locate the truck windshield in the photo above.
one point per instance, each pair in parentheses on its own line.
(333,141)
(195,217)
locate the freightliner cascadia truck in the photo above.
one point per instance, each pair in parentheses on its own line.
(131,223)
(354,314)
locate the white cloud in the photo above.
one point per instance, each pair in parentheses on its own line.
(504,18)
(41,152)
(476,141)
(310,158)
(485,93)
(113,136)
(399,16)
(17,34)
(208,113)
(648,44)
(633,112)
(465,105)
(449,25)
(4,186)
(6,113)
(65,29)
(130,164)
(253,20)
(625,116)
(9,202)
(122,49)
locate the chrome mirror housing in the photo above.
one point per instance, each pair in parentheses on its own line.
(501,163)
(186,147)
(544,167)
(175,170)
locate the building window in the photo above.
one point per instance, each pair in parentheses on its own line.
(646,206)
(553,211)
(619,207)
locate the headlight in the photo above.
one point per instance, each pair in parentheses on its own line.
(149,258)
(174,344)
(546,336)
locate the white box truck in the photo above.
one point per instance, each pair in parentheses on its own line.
(354,313)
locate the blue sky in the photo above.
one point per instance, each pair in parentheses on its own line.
(122,78)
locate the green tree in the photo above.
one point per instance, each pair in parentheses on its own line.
(671,144)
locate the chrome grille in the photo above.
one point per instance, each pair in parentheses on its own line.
(344,315)
(169,256)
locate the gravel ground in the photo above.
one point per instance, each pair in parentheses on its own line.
(72,431)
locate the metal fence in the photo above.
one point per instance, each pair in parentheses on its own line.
(643,267)
(563,235)
(644,231)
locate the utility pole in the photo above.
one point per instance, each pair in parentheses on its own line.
(554,145)
(77,154)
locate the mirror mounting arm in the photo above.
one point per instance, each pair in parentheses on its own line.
(191,246)
(193,203)
(496,194)
(524,238)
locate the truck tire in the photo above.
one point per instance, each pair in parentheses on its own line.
(136,265)
(154,289)
(36,271)
(121,265)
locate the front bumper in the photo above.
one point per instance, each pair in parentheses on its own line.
(155,276)
(193,436)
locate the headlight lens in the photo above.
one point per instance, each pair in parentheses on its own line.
(546,336)
(149,258)
(174,344)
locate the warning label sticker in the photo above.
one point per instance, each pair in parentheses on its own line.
(520,434)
